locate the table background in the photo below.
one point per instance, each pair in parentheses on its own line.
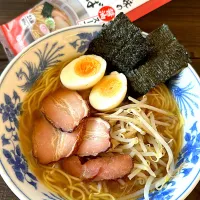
(182,16)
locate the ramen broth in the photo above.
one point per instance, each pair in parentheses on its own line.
(169,125)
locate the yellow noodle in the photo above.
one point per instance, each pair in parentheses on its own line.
(104,196)
(70,187)
(83,187)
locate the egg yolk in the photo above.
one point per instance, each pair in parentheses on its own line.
(87,67)
(109,87)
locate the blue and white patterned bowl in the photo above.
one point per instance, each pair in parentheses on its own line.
(67,44)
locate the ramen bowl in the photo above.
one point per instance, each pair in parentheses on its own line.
(65,45)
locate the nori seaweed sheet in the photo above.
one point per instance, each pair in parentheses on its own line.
(160,39)
(146,62)
(121,44)
(119,31)
(129,55)
(159,69)
(166,58)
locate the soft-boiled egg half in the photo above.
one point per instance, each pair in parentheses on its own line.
(109,92)
(83,72)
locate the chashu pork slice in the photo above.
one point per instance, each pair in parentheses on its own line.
(96,138)
(104,168)
(65,109)
(51,144)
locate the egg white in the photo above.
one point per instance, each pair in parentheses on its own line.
(72,81)
(105,103)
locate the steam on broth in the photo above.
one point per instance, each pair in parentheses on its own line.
(85,139)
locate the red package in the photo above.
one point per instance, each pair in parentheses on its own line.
(145,8)
(44,18)
(51,15)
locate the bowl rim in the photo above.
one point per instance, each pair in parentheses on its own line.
(3,172)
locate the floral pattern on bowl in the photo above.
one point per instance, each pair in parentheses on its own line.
(61,46)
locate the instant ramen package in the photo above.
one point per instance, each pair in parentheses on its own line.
(44,18)
(51,15)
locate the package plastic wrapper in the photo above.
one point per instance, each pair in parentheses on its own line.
(51,15)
